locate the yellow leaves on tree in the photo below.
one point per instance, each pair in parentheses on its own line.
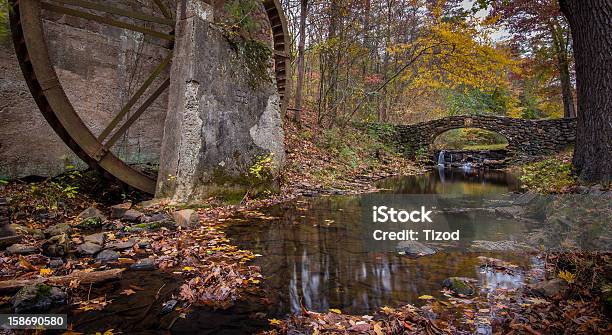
(456,54)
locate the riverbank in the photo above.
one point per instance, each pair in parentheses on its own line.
(74,229)
(561,299)
(567,291)
(78,229)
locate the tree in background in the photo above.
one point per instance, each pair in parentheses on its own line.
(388,60)
(592,34)
(541,31)
(300,60)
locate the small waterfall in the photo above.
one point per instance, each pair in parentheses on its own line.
(441,158)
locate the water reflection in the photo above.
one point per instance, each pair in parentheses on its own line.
(313,256)
(454,181)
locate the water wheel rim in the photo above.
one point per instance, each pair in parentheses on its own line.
(51,99)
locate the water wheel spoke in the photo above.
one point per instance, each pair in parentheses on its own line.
(106,20)
(137,114)
(118,11)
(135,97)
(167,14)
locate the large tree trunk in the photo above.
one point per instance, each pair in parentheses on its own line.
(300,60)
(590,22)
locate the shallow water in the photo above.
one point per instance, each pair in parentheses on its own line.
(313,255)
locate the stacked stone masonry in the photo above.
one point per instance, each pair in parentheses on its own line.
(525,137)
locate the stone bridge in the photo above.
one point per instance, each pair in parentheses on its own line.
(525,137)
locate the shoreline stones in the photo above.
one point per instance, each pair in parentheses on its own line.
(117,211)
(550,288)
(414,249)
(107,256)
(38,298)
(122,245)
(21,249)
(503,246)
(90,213)
(58,229)
(56,246)
(97,238)
(89,248)
(145,264)
(132,215)
(460,285)
(90,218)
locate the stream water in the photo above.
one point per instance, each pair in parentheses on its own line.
(312,255)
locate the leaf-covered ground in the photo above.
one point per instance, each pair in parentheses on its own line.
(212,270)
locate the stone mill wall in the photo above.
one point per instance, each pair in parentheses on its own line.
(100,67)
(225,118)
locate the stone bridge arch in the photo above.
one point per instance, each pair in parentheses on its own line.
(525,137)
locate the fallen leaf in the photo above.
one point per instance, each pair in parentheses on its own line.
(274,322)
(128,292)
(426,297)
(378,329)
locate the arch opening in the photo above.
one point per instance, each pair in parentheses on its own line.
(470,139)
(471,148)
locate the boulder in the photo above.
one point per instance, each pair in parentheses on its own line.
(460,285)
(107,256)
(22,230)
(146,264)
(132,215)
(414,249)
(504,246)
(90,213)
(550,288)
(89,248)
(56,246)
(56,263)
(121,245)
(160,217)
(117,211)
(21,249)
(511,211)
(59,229)
(38,298)
(525,198)
(91,223)
(186,218)
(97,238)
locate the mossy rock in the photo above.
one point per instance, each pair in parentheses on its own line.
(91,223)
(38,298)
(460,285)
(151,226)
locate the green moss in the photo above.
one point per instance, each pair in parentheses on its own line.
(256,57)
(91,222)
(459,286)
(258,181)
(552,175)
(43,290)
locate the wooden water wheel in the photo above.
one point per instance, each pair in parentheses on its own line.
(96,146)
